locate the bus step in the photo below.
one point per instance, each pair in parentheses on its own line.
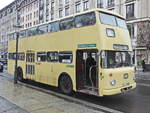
(86,91)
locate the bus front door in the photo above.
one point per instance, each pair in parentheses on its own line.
(87,71)
(30,65)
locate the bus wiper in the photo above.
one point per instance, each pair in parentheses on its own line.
(118,65)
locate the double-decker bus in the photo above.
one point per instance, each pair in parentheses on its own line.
(88,52)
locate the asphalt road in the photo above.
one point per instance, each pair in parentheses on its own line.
(135,101)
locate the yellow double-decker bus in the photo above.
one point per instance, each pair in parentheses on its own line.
(89,52)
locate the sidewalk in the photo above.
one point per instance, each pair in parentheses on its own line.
(8,107)
(15,97)
(142,75)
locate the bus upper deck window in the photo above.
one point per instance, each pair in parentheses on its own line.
(42,29)
(67,24)
(32,31)
(22,34)
(108,19)
(53,27)
(121,23)
(85,20)
(112,20)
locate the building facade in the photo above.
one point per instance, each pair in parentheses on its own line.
(7,20)
(34,12)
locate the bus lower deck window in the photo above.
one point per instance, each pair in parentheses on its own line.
(65,57)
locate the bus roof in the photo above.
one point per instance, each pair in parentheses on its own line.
(84,12)
(96,9)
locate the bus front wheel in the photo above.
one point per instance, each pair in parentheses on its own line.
(65,84)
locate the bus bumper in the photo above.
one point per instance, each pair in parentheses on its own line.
(119,90)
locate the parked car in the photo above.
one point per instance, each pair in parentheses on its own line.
(4,61)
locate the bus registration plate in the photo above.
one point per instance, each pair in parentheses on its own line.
(125,84)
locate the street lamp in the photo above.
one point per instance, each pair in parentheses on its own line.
(16,58)
(17,40)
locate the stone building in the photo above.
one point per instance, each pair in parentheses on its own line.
(7,20)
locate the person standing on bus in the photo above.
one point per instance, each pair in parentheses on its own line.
(90,61)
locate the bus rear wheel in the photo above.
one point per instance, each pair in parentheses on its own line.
(20,74)
(65,84)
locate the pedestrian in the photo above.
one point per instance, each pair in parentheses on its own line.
(1,67)
(90,61)
(143,65)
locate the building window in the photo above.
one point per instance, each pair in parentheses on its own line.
(60,13)
(78,7)
(85,5)
(60,2)
(52,11)
(130,11)
(47,2)
(47,18)
(131,30)
(99,3)
(66,1)
(52,16)
(52,5)
(34,14)
(34,23)
(112,9)
(30,16)
(66,11)
(111,3)
(37,13)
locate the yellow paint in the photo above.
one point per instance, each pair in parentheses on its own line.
(68,40)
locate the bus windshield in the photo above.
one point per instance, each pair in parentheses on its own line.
(108,19)
(116,59)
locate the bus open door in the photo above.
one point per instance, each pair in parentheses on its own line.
(87,71)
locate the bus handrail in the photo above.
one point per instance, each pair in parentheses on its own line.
(90,75)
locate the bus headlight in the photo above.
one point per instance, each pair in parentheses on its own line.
(126,76)
(110,32)
(113,82)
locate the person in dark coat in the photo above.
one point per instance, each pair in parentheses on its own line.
(90,61)
(143,65)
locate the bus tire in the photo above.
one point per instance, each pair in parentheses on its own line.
(65,84)
(20,74)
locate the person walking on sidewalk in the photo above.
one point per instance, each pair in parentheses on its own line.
(143,65)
